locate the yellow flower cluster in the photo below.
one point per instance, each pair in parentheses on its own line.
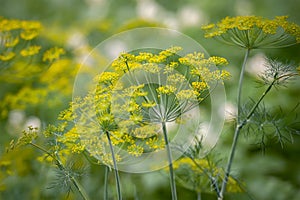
(127,61)
(170,67)
(108,77)
(167,89)
(30,51)
(146,131)
(106,159)
(148,104)
(26,96)
(143,56)
(200,172)
(11,31)
(10,41)
(199,85)
(254,31)
(58,80)
(175,78)
(135,150)
(124,108)
(28,136)
(71,140)
(92,128)
(188,95)
(53,54)
(202,68)
(105,120)
(136,118)
(20,55)
(29,29)
(198,60)
(155,143)
(7,56)
(29,34)
(135,91)
(218,60)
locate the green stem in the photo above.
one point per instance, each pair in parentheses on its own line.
(169,154)
(239,126)
(230,160)
(237,129)
(61,167)
(79,188)
(259,100)
(198,195)
(115,166)
(240,86)
(105,195)
(236,134)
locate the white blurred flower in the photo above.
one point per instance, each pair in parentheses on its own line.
(95,2)
(147,9)
(97,9)
(16,118)
(230,111)
(115,48)
(191,16)
(77,40)
(243,7)
(256,64)
(171,22)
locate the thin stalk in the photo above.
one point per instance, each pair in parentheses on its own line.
(169,154)
(240,86)
(237,129)
(79,188)
(115,166)
(105,194)
(230,160)
(76,184)
(239,126)
(259,100)
(198,195)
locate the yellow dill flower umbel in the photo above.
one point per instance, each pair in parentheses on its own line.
(10,41)
(135,150)
(199,85)
(53,54)
(199,174)
(167,89)
(29,34)
(253,32)
(218,60)
(7,56)
(30,51)
(135,95)
(108,77)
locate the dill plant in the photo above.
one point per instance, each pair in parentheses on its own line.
(202,174)
(127,113)
(250,33)
(38,72)
(67,174)
(137,97)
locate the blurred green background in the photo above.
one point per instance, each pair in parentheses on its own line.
(79,25)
